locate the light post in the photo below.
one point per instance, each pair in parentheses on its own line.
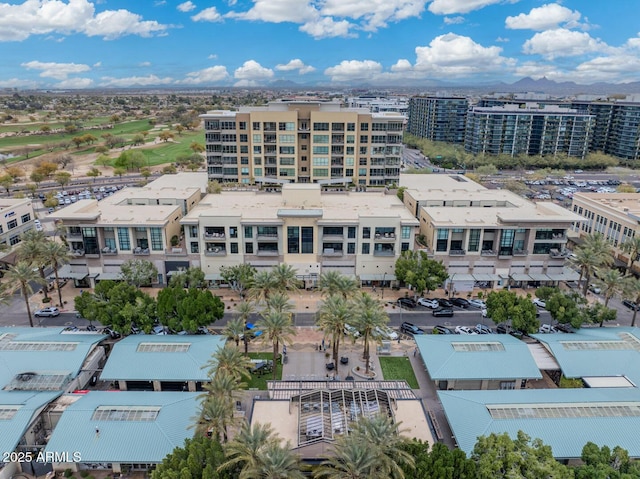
(384,276)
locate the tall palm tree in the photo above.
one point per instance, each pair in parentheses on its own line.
(235,330)
(231,360)
(54,254)
(215,417)
(285,277)
(351,458)
(263,285)
(334,313)
(369,315)
(276,461)
(31,248)
(277,328)
(594,253)
(632,291)
(222,384)
(22,275)
(279,301)
(335,283)
(613,283)
(246,445)
(245,309)
(632,248)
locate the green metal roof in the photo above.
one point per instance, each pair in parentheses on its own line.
(469,418)
(445,357)
(130,362)
(125,441)
(26,404)
(596,352)
(44,351)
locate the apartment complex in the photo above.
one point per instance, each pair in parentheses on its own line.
(16,217)
(357,233)
(489,237)
(438,118)
(133,223)
(528,129)
(376,104)
(304,142)
(614,215)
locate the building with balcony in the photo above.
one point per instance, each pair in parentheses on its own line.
(438,118)
(16,217)
(377,104)
(303,142)
(357,233)
(489,237)
(614,215)
(132,223)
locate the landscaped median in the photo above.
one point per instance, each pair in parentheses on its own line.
(398,368)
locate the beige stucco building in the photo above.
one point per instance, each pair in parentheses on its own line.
(16,217)
(489,237)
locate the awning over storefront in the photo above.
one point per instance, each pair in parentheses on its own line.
(565,275)
(539,277)
(71,272)
(110,275)
(520,277)
(461,277)
(377,277)
(486,277)
(213,277)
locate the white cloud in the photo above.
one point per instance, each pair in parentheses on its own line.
(450,7)
(455,55)
(563,43)
(296,64)
(135,81)
(186,6)
(277,11)
(374,13)
(327,27)
(75,83)
(18,83)
(97,64)
(402,65)
(207,15)
(354,70)
(502,40)
(453,20)
(37,17)
(251,70)
(545,17)
(213,56)
(59,71)
(215,74)
(144,64)
(246,84)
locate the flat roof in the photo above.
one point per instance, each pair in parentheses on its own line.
(438,181)
(183,180)
(601,352)
(564,419)
(173,357)
(125,426)
(482,356)
(622,204)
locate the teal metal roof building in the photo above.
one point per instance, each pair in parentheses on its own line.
(596,352)
(125,427)
(482,357)
(42,359)
(142,357)
(565,419)
(18,409)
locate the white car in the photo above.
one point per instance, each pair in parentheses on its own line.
(385,333)
(547,328)
(351,331)
(477,303)
(540,303)
(47,312)
(38,225)
(428,303)
(484,312)
(464,330)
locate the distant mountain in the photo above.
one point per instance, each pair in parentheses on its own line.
(544,85)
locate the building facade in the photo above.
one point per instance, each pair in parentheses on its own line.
(438,118)
(16,218)
(303,142)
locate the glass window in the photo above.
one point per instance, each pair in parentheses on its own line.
(366,247)
(123,238)
(307,239)
(320,161)
(364,126)
(321,138)
(351,248)
(320,172)
(233,231)
(321,126)
(363,139)
(442,239)
(405,232)
(12,224)
(194,247)
(156,239)
(234,248)
(351,127)
(351,232)
(366,232)
(255,126)
(248,231)
(287,138)
(15,239)
(257,171)
(506,242)
(242,125)
(248,248)
(474,239)
(404,247)
(25,218)
(320,150)
(293,239)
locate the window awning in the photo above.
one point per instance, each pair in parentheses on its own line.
(520,277)
(461,277)
(486,277)
(213,277)
(539,277)
(113,276)
(71,272)
(565,275)
(377,277)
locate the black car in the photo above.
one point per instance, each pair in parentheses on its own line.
(442,330)
(407,303)
(631,305)
(445,303)
(460,302)
(410,328)
(444,312)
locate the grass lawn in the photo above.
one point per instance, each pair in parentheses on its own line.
(398,368)
(260,382)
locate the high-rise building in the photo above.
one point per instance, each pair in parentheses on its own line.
(438,118)
(303,142)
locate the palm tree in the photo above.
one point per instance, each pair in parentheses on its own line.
(613,283)
(245,447)
(594,253)
(632,248)
(369,315)
(21,275)
(280,302)
(263,285)
(632,291)
(277,328)
(31,246)
(214,417)
(333,315)
(222,384)
(54,254)
(245,310)
(235,330)
(351,458)
(285,277)
(335,283)
(276,462)
(231,360)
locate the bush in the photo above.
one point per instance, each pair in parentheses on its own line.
(46,300)
(84,473)
(175,240)
(68,473)
(571,383)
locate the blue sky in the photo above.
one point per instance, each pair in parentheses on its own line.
(123,43)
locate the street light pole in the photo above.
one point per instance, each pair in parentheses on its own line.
(384,275)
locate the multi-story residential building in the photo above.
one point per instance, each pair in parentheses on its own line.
(376,104)
(528,129)
(356,233)
(303,142)
(133,223)
(438,118)
(489,237)
(16,217)
(614,215)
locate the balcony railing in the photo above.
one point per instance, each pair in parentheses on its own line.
(175,252)
(457,252)
(554,253)
(78,253)
(265,252)
(215,252)
(214,235)
(332,237)
(267,236)
(383,253)
(141,251)
(332,252)
(488,252)
(74,235)
(520,252)
(385,236)
(109,251)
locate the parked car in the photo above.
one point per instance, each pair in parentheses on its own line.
(482,329)
(477,303)
(503,328)
(159,330)
(444,312)
(460,302)
(540,303)
(428,303)
(37,225)
(631,305)
(385,333)
(113,334)
(410,328)
(49,312)
(484,313)
(547,328)
(445,303)
(565,328)
(464,330)
(407,303)
(351,331)
(594,289)
(441,330)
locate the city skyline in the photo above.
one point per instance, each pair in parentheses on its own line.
(68,44)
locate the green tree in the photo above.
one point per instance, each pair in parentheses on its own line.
(6,182)
(214,417)
(565,308)
(234,330)
(139,272)
(193,277)
(440,462)
(36,177)
(262,286)
(632,292)
(22,275)
(187,310)
(605,463)
(214,187)
(231,361)
(632,247)
(613,283)
(54,254)
(598,313)
(545,292)
(594,253)
(349,459)
(94,173)
(244,450)
(334,313)
(199,458)
(63,178)
(400,192)
(276,328)
(244,311)
(368,315)
(334,283)
(504,306)
(416,269)
(285,277)
(31,249)
(239,277)
(276,461)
